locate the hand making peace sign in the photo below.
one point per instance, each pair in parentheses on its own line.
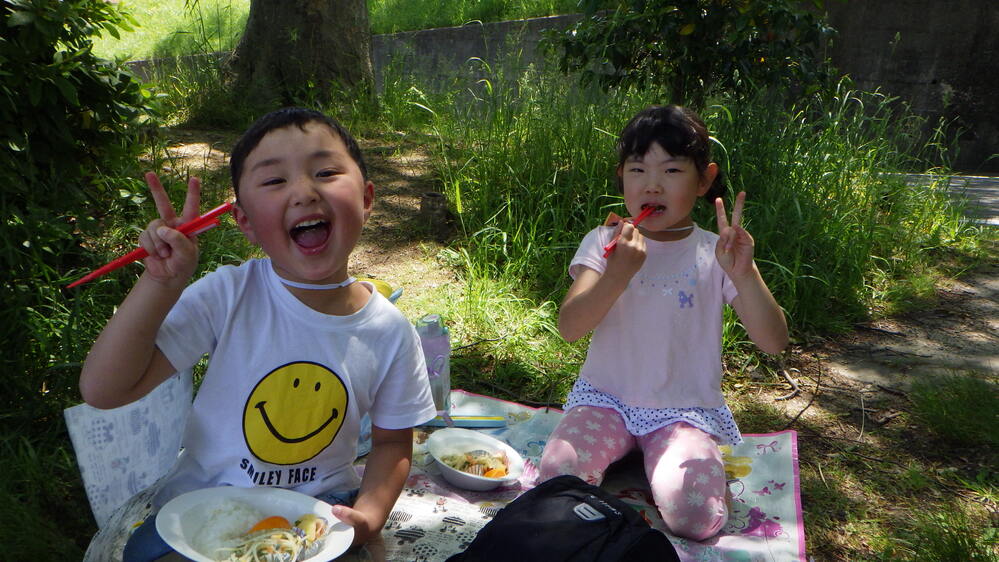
(734,250)
(172,255)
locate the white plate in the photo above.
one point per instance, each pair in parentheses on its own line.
(182,516)
(454,440)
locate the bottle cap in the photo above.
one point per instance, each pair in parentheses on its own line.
(430,325)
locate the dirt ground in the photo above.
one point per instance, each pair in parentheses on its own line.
(957,333)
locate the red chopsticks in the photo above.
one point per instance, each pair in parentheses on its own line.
(195,227)
(641,216)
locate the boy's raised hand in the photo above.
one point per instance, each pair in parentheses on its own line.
(734,250)
(173,256)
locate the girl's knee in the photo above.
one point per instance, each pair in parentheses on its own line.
(559,457)
(563,457)
(696,524)
(584,443)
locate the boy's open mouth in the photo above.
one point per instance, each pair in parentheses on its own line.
(657,209)
(311,234)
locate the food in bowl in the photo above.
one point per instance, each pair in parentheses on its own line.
(227,520)
(237,532)
(454,449)
(479,463)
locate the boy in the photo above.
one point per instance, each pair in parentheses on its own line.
(299,351)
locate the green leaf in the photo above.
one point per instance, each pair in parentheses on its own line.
(34,92)
(19,18)
(68,91)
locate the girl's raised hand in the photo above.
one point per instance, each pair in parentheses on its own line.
(173,256)
(629,253)
(734,250)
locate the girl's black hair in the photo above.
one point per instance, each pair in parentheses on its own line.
(279,119)
(679,131)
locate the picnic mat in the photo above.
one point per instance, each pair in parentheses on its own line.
(433,520)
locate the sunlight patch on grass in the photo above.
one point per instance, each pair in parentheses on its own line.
(169,28)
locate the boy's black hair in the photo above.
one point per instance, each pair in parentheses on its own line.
(286,117)
(679,131)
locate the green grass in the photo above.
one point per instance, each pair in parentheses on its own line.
(177,27)
(184,27)
(892,495)
(961,409)
(46,515)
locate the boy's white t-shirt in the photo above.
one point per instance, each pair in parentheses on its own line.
(659,346)
(286,386)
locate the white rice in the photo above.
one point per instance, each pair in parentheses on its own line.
(226,520)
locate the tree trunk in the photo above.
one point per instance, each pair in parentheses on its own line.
(292,48)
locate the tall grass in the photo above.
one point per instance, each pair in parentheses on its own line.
(947,536)
(835,223)
(528,164)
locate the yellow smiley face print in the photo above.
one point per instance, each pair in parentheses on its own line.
(294,412)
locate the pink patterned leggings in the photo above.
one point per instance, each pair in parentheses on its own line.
(683,464)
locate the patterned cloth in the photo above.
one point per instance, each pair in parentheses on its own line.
(433,520)
(123,451)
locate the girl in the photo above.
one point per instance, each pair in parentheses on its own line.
(652,375)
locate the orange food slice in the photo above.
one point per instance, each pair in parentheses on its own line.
(495,473)
(272,522)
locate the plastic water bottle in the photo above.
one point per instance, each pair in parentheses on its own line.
(436,344)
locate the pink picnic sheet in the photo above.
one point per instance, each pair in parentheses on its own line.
(433,520)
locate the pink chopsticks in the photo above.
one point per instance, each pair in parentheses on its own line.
(641,216)
(195,227)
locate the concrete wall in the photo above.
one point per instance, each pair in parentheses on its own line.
(444,54)
(942,56)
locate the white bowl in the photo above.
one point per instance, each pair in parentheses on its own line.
(181,518)
(454,440)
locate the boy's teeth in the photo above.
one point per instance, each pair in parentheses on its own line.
(311,233)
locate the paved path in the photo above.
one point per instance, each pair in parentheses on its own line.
(980,192)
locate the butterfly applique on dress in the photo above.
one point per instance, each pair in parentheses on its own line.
(686,299)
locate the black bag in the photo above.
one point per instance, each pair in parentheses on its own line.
(566,519)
